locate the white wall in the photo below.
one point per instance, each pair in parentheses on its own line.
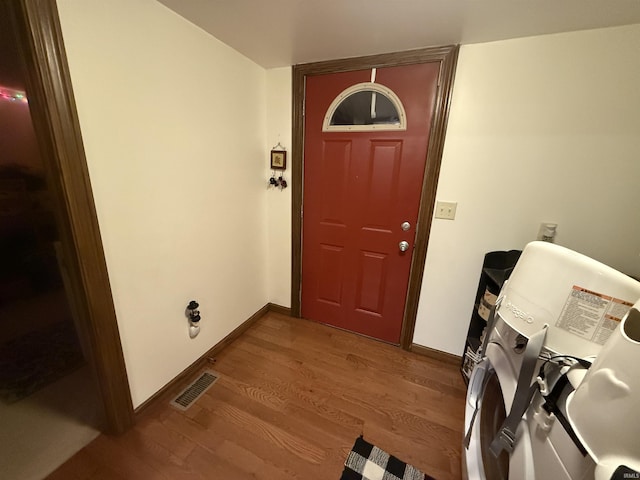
(174,128)
(279,201)
(542,129)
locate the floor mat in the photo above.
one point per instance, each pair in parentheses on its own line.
(36,359)
(368,462)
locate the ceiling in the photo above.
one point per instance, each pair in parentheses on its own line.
(276,33)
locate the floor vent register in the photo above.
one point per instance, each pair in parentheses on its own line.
(195,390)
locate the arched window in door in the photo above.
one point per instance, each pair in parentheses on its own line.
(365,107)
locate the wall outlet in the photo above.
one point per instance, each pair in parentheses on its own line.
(547,232)
(446,210)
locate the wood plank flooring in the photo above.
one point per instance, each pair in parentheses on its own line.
(292,398)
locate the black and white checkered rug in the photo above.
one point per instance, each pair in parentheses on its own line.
(368,462)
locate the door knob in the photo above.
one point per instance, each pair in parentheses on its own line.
(403,246)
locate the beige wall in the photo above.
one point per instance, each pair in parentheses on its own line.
(542,129)
(279,201)
(174,127)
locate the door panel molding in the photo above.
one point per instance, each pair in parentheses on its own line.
(447,56)
(55,121)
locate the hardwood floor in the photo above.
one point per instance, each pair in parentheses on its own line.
(292,398)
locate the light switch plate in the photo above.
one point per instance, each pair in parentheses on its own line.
(446,210)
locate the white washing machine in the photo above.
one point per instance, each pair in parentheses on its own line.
(577,301)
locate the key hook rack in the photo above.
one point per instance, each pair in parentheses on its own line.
(278,162)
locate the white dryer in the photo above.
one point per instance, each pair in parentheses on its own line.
(576,300)
(491,390)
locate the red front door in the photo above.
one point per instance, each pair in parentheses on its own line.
(359,188)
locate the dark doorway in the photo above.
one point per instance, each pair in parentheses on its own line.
(63,260)
(49,403)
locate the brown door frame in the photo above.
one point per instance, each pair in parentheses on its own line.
(447,56)
(55,120)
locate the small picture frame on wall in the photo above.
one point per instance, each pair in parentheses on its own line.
(278,159)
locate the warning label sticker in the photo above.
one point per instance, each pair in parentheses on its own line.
(592,315)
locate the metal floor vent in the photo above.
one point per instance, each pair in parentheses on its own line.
(193,392)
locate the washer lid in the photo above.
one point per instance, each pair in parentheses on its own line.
(581,299)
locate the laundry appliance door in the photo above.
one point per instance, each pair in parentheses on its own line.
(491,389)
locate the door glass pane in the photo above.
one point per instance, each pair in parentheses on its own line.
(366,108)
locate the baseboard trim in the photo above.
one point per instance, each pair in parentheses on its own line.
(436,354)
(275,308)
(181,378)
